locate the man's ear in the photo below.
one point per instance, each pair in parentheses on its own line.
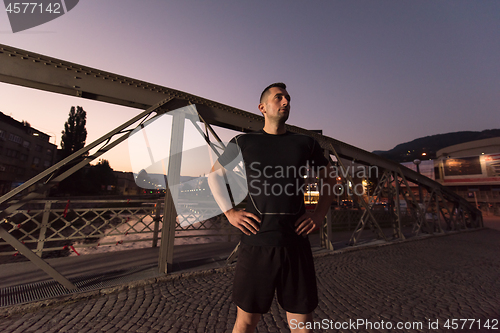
(262,108)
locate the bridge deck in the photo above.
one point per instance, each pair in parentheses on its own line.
(436,278)
(187,258)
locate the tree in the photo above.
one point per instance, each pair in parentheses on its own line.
(75,133)
(73,139)
(98,178)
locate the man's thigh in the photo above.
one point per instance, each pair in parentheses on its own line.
(255,279)
(296,288)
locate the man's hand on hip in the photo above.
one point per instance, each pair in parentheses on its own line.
(245,221)
(306,224)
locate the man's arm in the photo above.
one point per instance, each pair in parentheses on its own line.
(245,221)
(309,221)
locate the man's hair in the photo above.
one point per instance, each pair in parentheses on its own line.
(266,91)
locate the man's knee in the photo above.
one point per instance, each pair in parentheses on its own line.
(245,321)
(300,322)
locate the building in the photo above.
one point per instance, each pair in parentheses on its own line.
(126,184)
(471,169)
(471,148)
(24,152)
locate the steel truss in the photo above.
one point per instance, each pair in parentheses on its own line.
(37,71)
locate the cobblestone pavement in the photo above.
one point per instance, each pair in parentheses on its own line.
(424,281)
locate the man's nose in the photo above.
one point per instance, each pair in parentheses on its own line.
(284,101)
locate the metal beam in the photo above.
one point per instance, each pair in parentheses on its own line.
(38,71)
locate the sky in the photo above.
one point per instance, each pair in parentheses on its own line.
(369,73)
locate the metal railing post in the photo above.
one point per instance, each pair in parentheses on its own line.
(167,235)
(397,226)
(438,213)
(43,228)
(329,234)
(157,223)
(171,195)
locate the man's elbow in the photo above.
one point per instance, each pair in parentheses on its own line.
(214,177)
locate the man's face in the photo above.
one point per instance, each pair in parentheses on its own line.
(276,107)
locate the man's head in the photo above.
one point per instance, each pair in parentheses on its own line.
(265,93)
(275,103)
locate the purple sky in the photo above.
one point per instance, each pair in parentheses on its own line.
(370,73)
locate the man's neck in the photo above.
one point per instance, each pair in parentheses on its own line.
(274,129)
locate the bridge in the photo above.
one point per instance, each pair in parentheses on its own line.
(33,224)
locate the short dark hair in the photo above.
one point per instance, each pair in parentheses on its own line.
(266,91)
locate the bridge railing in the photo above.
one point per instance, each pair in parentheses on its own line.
(75,225)
(435,215)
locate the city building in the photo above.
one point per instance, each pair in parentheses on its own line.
(24,152)
(126,184)
(471,169)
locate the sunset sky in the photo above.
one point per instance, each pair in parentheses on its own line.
(370,73)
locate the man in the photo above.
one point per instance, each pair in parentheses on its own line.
(275,253)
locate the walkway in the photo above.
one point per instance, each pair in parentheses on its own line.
(419,284)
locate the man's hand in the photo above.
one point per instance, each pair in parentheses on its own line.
(245,221)
(306,224)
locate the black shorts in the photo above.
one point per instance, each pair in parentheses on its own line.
(262,270)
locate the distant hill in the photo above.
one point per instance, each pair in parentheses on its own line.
(407,152)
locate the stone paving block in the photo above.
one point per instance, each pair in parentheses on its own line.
(134,328)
